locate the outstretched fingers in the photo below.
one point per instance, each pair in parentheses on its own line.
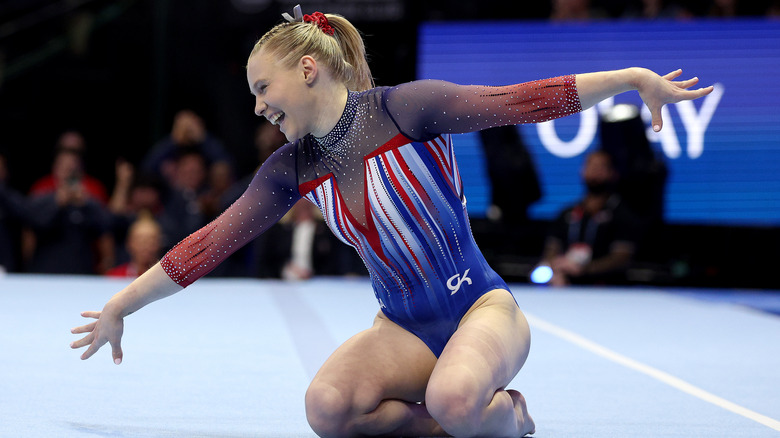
(90,339)
(84,328)
(687,94)
(87,328)
(116,349)
(98,335)
(86,340)
(656,98)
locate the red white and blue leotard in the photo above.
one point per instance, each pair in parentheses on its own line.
(387,183)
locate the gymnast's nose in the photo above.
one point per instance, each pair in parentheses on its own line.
(260,106)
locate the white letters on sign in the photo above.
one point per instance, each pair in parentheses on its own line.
(695,125)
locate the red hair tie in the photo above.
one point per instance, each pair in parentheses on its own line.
(321,21)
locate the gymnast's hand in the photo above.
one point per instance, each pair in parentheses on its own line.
(107,328)
(657,91)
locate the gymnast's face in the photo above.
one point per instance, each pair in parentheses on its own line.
(282,95)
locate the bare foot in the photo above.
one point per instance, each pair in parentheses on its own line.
(527,426)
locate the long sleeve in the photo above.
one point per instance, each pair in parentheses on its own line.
(272,192)
(424,109)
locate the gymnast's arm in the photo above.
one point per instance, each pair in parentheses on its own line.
(272,192)
(424,109)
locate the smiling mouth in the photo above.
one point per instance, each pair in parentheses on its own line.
(276,118)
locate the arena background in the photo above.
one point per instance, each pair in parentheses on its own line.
(119,70)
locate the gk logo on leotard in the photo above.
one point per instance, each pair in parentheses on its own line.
(456,287)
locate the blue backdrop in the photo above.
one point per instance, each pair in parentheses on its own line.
(722,151)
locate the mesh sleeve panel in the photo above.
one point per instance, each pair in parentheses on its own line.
(424,109)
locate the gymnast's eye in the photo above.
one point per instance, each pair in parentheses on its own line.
(259,89)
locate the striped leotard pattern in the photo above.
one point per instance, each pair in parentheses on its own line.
(387,183)
(417,245)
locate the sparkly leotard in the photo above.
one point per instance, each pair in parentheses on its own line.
(386,181)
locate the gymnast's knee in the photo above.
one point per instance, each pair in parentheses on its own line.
(332,411)
(455,408)
(327,410)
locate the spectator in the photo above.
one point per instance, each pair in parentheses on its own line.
(184,212)
(71,141)
(68,220)
(120,198)
(12,216)
(132,196)
(188,131)
(144,245)
(594,240)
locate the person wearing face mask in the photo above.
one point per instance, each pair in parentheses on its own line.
(594,240)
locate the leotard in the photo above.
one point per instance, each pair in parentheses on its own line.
(387,183)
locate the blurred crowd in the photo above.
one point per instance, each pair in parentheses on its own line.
(69,222)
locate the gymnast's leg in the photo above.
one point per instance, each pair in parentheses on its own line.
(373,385)
(466,393)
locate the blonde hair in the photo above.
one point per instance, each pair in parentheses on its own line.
(343,53)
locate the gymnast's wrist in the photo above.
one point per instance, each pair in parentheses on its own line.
(635,76)
(121,304)
(113,309)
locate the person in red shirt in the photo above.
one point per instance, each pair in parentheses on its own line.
(70,216)
(68,166)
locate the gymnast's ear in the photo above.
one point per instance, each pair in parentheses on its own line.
(309,68)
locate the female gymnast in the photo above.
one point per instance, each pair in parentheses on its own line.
(379,163)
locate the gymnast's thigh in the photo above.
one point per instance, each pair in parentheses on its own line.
(384,362)
(488,349)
